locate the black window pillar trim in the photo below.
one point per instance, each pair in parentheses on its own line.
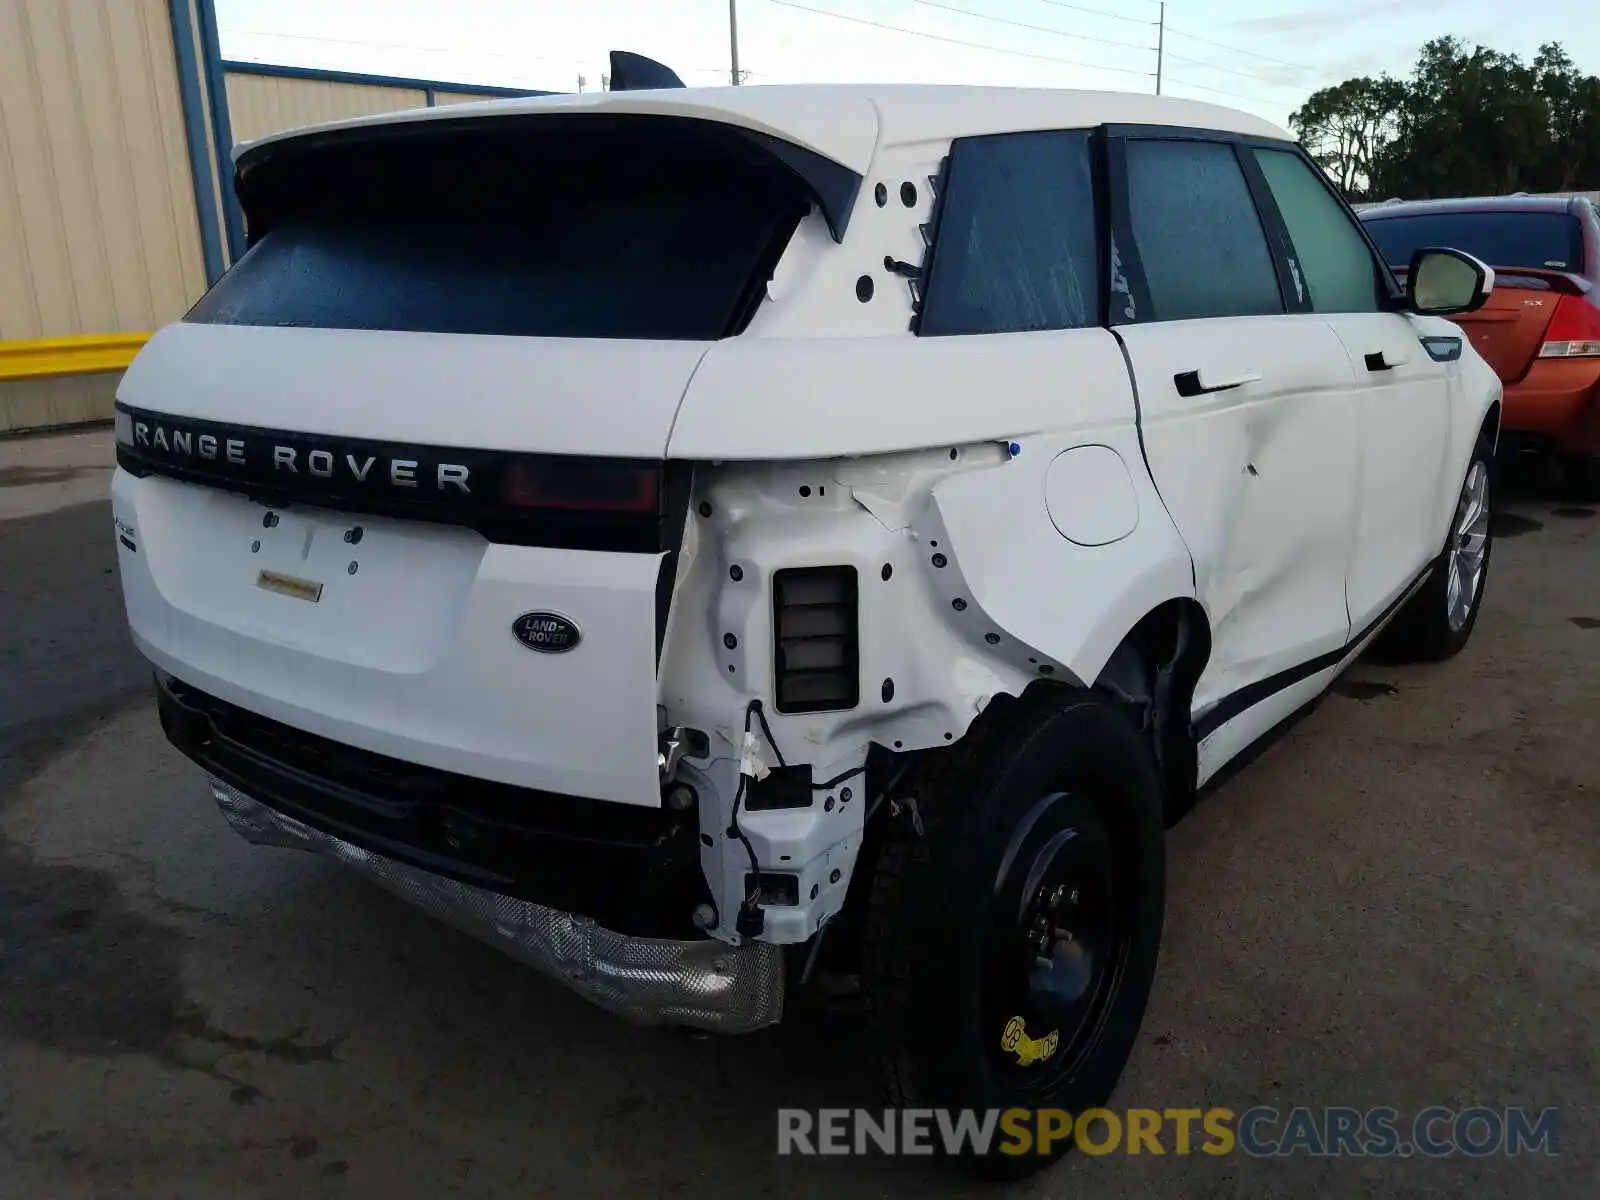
(1391,295)
(1119,236)
(941,193)
(1100,184)
(1292,285)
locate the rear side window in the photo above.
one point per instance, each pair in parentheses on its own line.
(1016,245)
(1548,240)
(1334,262)
(623,232)
(1199,238)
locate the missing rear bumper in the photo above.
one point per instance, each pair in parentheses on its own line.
(702,984)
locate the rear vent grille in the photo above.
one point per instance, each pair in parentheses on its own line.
(817,647)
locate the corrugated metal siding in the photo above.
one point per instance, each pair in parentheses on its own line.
(97,220)
(98,232)
(261,104)
(44,403)
(442,98)
(216,173)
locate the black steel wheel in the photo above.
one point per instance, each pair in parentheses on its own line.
(1055,947)
(1011,945)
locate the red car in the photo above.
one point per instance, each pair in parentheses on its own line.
(1540,329)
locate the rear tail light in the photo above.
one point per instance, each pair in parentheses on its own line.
(816,645)
(582,486)
(1574,330)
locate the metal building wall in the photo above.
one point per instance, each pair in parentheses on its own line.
(99,230)
(116,204)
(263,104)
(463,97)
(265,98)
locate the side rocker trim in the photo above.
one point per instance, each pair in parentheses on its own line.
(1237,703)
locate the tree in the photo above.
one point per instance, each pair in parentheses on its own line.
(1347,127)
(1467,122)
(1472,123)
(1573,102)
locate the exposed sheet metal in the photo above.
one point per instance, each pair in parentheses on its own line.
(701,984)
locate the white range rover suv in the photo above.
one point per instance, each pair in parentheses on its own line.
(699,540)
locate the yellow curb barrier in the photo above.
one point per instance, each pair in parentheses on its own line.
(51,358)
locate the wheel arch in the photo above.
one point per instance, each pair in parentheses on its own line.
(1491,424)
(1153,671)
(1476,401)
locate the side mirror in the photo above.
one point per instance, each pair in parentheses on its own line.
(1444,283)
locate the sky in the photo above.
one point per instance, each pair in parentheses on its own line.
(1256,55)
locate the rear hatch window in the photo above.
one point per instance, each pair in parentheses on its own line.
(585,228)
(1542,240)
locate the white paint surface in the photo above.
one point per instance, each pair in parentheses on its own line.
(826,434)
(1090,496)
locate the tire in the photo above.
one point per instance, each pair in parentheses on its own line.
(1057,816)
(1580,480)
(1434,625)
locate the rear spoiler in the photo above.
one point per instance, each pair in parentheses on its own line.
(267,173)
(1534,279)
(1538,279)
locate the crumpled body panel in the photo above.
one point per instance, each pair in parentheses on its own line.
(701,984)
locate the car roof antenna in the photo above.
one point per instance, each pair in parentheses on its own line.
(631,72)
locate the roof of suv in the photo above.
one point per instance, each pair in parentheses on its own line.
(847,123)
(1412,208)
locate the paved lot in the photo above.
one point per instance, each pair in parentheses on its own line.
(1399,904)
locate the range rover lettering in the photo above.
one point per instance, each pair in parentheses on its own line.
(949,485)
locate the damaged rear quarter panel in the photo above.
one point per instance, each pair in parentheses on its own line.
(921,463)
(913,434)
(1055,606)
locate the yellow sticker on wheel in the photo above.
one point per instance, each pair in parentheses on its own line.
(1028,1050)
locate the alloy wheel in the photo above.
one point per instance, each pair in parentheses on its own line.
(1469,547)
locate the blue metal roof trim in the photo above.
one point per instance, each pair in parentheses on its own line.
(318,74)
(221,127)
(195,127)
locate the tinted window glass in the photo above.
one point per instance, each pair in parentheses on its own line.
(623,233)
(1197,231)
(1332,260)
(1016,244)
(1501,239)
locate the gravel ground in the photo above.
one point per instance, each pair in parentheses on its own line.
(1397,905)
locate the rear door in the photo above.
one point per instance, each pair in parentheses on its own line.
(1402,387)
(1247,416)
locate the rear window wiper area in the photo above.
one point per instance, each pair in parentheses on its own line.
(583,227)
